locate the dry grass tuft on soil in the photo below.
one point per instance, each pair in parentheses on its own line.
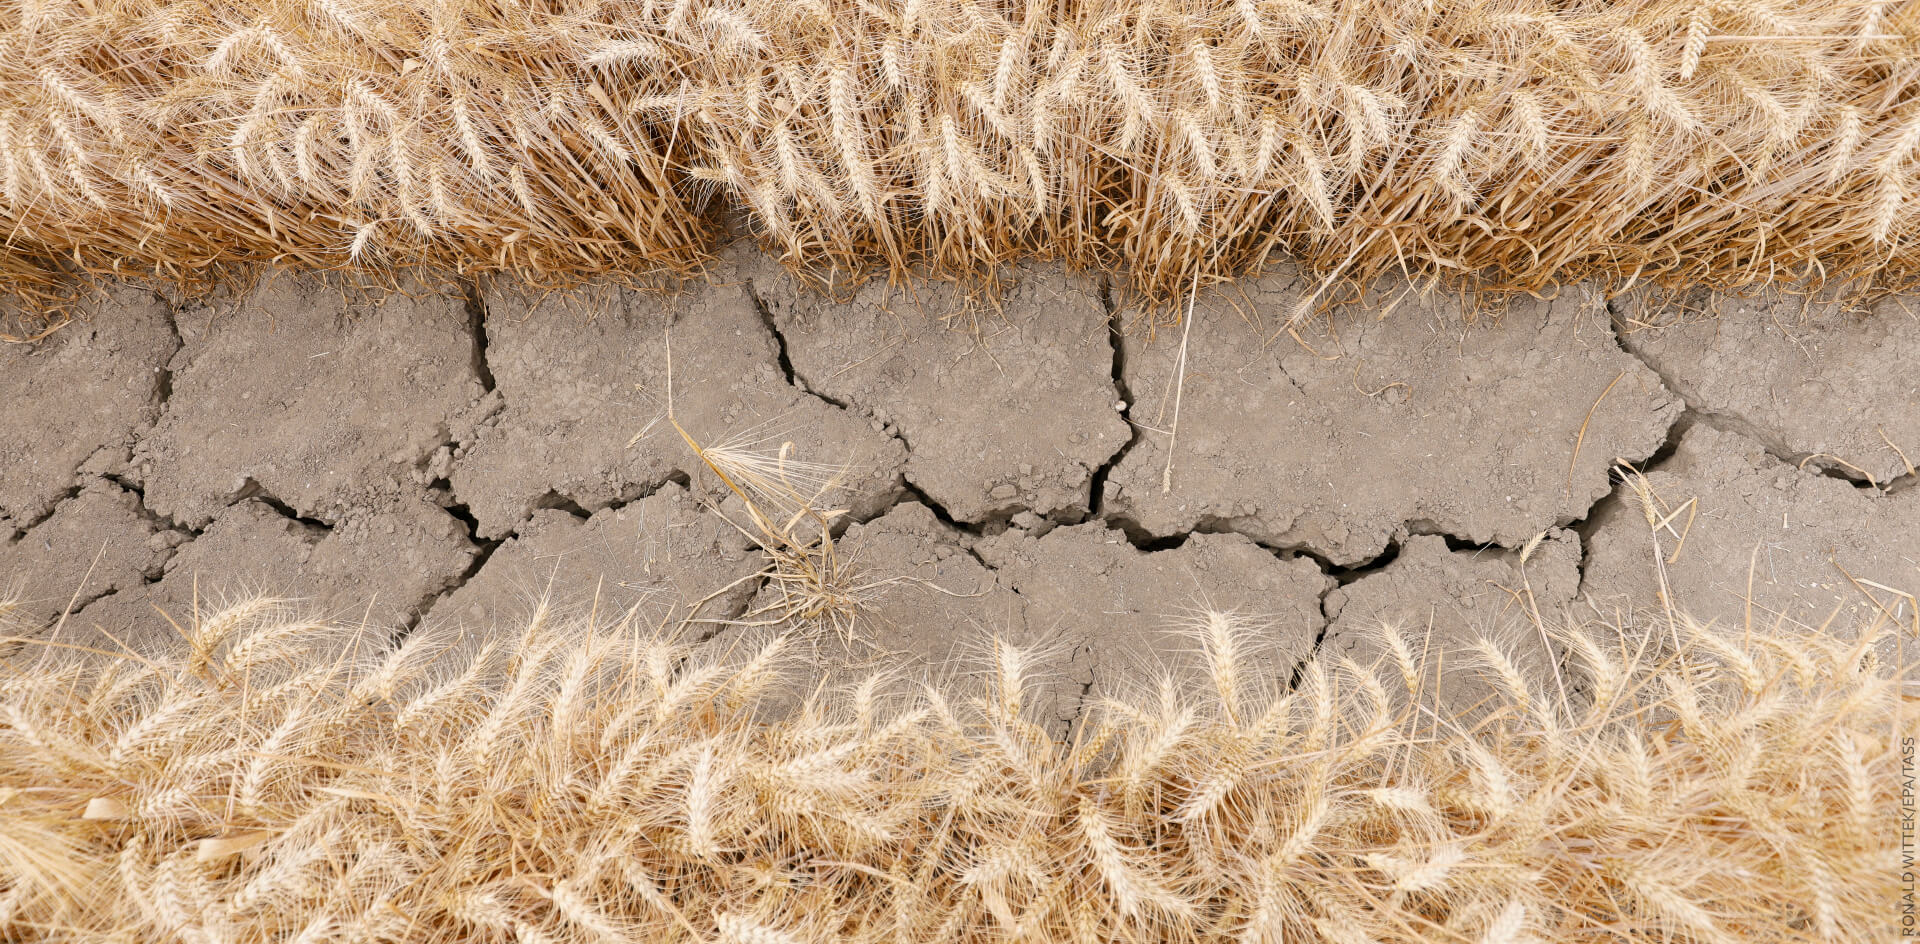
(279,779)
(1718,141)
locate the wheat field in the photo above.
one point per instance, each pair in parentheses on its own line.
(1514,141)
(592,778)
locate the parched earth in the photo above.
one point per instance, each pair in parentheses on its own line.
(1048,467)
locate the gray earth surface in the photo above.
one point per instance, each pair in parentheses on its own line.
(1044,465)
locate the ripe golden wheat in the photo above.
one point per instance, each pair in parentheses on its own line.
(1519,141)
(277,779)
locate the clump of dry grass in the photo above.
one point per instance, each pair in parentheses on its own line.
(807,583)
(1706,140)
(278,779)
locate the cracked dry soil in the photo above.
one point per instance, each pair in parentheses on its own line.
(439,460)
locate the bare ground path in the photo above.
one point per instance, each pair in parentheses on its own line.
(1050,469)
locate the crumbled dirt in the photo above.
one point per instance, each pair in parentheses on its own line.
(1396,421)
(1794,536)
(584,381)
(663,552)
(1004,409)
(329,406)
(1442,601)
(378,567)
(1102,608)
(1809,380)
(96,543)
(84,390)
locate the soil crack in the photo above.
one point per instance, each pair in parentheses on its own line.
(1313,651)
(1097,483)
(793,377)
(1728,421)
(477,327)
(53,508)
(252,490)
(159,521)
(556,500)
(484,550)
(1079,709)
(163,375)
(912,492)
(80,606)
(1344,574)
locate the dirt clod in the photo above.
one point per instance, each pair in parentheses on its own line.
(584,381)
(1792,535)
(87,387)
(662,553)
(1809,380)
(96,543)
(1005,409)
(1388,423)
(327,406)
